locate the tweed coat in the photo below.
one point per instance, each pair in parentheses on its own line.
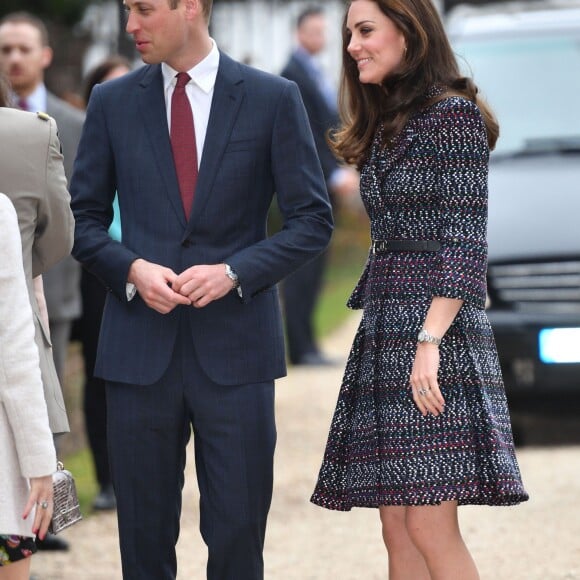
(430,184)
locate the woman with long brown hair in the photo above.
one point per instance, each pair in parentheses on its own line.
(422,424)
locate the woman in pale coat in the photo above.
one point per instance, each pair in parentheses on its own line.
(27,455)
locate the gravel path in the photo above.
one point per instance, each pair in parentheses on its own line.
(539,540)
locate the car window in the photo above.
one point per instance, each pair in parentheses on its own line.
(532,83)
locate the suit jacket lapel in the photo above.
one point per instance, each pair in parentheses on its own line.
(154,112)
(227,98)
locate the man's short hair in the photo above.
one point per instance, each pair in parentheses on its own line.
(27,18)
(207,5)
(307,13)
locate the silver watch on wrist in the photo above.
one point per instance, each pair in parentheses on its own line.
(232,276)
(424,336)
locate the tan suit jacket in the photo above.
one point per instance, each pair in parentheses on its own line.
(62,285)
(32,176)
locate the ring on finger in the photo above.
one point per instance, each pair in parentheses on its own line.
(422,392)
(43,504)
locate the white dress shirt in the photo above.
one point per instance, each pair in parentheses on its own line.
(36,100)
(199,91)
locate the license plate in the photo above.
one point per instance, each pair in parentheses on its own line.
(559,345)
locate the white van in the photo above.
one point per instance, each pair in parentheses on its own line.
(525,58)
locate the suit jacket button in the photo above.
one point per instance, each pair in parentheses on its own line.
(187,244)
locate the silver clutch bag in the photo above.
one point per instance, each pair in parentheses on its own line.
(66,502)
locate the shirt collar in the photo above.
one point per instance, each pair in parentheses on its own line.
(36,100)
(203,74)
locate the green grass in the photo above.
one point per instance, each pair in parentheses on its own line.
(340,281)
(80,465)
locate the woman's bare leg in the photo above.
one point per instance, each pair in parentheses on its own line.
(16,571)
(405,560)
(435,532)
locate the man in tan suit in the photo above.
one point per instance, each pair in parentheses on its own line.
(25,54)
(32,176)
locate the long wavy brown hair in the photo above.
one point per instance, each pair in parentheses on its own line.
(428,61)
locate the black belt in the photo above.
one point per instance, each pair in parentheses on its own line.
(380,246)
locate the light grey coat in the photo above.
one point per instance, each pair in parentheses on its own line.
(32,176)
(26,446)
(62,284)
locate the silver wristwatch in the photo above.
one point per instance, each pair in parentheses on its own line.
(232,276)
(424,336)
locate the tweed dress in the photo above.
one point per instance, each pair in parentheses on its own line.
(431,184)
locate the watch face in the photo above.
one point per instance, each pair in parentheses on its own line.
(232,276)
(424,336)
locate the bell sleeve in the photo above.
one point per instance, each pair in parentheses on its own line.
(461,152)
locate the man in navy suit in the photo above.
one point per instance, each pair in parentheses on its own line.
(302,288)
(191,337)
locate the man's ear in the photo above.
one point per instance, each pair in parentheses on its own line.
(193,9)
(47,55)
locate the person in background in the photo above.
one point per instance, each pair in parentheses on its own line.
(195,145)
(24,56)
(42,203)
(94,293)
(421,424)
(300,290)
(32,176)
(36,230)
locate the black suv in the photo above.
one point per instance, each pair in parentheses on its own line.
(525,57)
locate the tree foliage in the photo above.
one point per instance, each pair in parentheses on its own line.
(63,11)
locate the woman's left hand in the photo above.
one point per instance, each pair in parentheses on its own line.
(41,495)
(424,383)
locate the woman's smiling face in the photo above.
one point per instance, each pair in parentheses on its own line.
(376,44)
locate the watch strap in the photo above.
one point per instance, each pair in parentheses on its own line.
(425,336)
(231,274)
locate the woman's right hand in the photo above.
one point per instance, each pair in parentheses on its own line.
(41,491)
(424,380)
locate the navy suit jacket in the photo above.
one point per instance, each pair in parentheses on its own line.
(258,143)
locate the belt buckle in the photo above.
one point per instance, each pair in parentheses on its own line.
(378,246)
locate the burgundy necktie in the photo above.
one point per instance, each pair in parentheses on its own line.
(23,104)
(183,142)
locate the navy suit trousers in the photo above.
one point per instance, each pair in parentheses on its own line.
(234,435)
